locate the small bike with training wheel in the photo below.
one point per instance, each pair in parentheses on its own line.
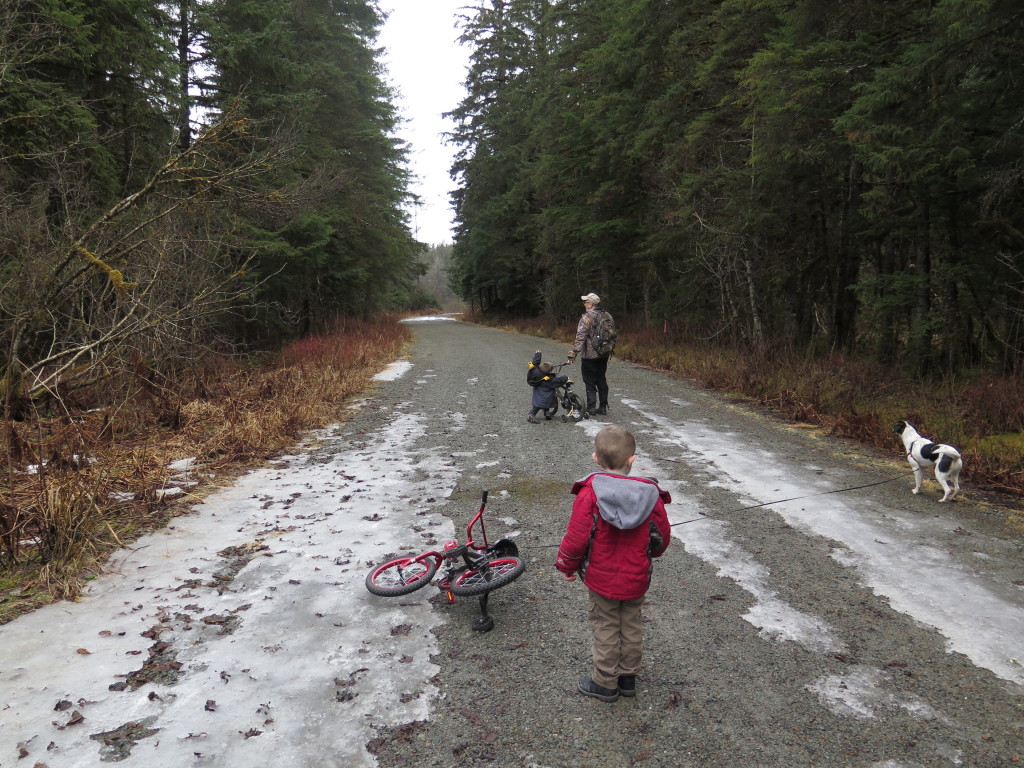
(572,404)
(472,569)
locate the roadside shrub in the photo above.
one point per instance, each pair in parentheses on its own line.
(84,480)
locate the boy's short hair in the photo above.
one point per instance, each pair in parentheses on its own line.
(613,446)
(547,367)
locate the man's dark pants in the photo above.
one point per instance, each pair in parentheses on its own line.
(593,371)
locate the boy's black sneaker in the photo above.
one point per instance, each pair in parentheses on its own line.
(627,685)
(589,688)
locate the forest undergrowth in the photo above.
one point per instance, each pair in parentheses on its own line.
(982,414)
(103,466)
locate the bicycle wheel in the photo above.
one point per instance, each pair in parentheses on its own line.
(578,412)
(493,574)
(400,576)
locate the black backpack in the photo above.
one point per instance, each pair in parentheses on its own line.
(604,335)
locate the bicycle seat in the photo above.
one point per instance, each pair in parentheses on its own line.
(455,551)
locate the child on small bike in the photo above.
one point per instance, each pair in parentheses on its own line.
(539,376)
(618,525)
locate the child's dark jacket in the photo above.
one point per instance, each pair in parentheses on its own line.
(609,534)
(544,385)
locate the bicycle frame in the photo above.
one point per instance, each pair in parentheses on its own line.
(569,400)
(468,568)
(477,518)
(453,550)
(471,552)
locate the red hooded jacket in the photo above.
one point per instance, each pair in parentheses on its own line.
(609,537)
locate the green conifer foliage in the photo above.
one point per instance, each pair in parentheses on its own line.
(306,72)
(777,173)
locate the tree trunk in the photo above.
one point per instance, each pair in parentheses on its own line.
(920,342)
(847,272)
(184,68)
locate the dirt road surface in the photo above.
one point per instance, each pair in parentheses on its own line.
(810,611)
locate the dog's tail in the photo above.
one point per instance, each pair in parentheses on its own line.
(948,450)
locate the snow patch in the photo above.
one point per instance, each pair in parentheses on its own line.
(861,693)
(258,597)
(919,580)
(773,617)
(393,371)
(432,318)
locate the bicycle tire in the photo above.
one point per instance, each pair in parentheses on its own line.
(495,573)
(578,412)
(400,576)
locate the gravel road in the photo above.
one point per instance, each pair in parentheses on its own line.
(810,611)
(868,627)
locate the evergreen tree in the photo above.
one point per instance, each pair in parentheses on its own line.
(92,75)
(784,172)
(496,266)
(939,131)
(306,71)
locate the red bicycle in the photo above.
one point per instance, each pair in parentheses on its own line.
(472,569)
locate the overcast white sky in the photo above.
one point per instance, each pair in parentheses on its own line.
(427,65)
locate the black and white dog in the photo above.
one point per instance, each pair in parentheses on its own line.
(923,453)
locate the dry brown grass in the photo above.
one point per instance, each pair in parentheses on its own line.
(88,480)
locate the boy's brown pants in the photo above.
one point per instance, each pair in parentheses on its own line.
(618,638)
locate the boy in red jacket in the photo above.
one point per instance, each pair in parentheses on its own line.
(618,525)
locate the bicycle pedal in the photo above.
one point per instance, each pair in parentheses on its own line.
(451,597)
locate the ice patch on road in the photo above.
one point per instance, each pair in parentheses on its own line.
(708,540)
(432,318)
(918,579)
(861,693)
(394,371)
(288,656)
(772,616)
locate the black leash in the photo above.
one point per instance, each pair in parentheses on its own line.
(795,498)
(763,504)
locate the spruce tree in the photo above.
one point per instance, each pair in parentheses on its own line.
(305,71)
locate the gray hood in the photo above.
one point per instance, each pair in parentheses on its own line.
(623,501)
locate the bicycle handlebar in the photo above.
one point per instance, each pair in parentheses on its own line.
(478,518)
